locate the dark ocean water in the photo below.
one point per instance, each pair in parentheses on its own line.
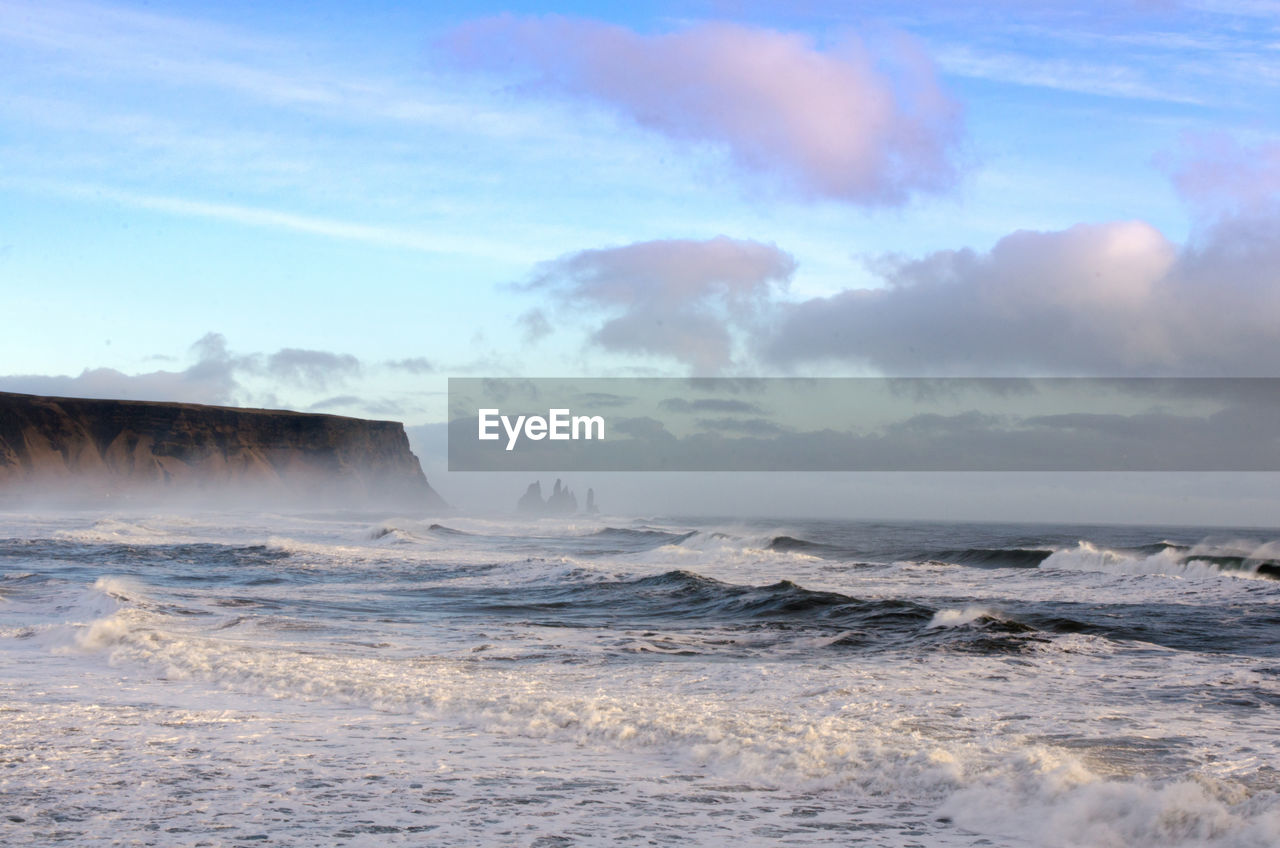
(312,679)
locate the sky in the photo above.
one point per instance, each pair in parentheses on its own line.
(333,208)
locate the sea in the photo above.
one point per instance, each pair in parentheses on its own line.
(309,679)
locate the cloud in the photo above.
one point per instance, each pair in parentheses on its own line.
(846,123)
(273,219)
(214,377)
(314,369)
(644,428)
(415,365)
(1110,299)
(603,399)
(535,325)
(1218,174)
(762,427)
(1085,75)
(376,407)
(335,402)
(674,297)
(211,379)
(677,404)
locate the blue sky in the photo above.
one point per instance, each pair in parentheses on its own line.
(327,207)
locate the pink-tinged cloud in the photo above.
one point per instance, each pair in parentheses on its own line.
(677,298)
(1113,299)
(845,123)
(1219,174)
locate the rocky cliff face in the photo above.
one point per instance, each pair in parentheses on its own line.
(93,449)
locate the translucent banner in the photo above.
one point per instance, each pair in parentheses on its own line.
(864,424)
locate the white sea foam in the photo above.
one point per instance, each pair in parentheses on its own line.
(114,530)
(767,731)
(174,711)
(1086,556)
(961,617)
(1061,806)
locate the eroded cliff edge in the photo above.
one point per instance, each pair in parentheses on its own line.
(87,450)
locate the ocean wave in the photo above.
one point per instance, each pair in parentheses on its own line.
(1045,798)
(1009,707)
(1034,794)
(620,541)
(791,543)
(993,557)
(115,530)
(661,536)
(844,550)
(1200,561)
(412,533)
(787,616)
(683,595)
(963,617)
(447,531)
(387,534)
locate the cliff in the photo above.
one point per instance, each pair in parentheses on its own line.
(95,449)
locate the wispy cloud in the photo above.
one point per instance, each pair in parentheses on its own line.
(100,38)
(1243,8)
(90,41)
(150,141)
(1217,173)
(1204,54)
(94,39)
(1083,77)
(196,119)
(252,216)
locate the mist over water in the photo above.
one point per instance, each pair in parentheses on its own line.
(313,678)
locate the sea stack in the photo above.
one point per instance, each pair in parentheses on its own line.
(562,500)
(531,501)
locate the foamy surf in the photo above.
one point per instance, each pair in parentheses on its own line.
(1199,562)
(822,683)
